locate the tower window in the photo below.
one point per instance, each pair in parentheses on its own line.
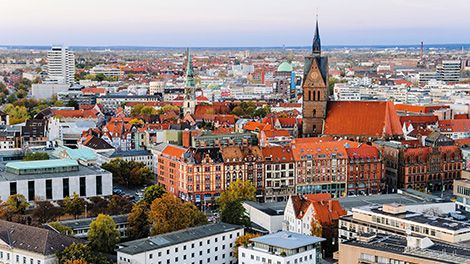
(314,112)
(314,96)
(310,95)
(318,95)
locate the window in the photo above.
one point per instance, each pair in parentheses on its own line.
(65,187)
(31,192)
(99,185)
(49,189)
(150,256)
(82,186)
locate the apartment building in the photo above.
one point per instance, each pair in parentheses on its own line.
(212,243)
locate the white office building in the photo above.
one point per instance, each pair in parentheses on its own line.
(60,65)
(449,71)
(53,180)
(212,243)
(281,248)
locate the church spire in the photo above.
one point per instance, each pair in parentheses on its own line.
(316,47)
(189,71)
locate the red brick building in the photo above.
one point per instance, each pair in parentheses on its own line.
(364,170)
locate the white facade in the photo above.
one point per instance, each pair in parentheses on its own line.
(294,224)
(14,255)
(47,90)
(60,65)
(281,248)
(213,248)
(269,221)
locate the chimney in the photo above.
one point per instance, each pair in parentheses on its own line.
(330,205)
(186,138)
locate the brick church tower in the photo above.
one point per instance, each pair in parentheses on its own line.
(315,89)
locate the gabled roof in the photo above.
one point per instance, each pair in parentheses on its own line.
(278,154)
(454,125)
(376,119)
(97,143)
(34,239)
(174,151)
(325,209)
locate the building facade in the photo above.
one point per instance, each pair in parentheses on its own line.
(60,65)
(212,243)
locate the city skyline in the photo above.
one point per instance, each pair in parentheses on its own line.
(207,23)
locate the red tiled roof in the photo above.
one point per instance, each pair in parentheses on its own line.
(174,151)
(93,90)
(461,116)
(278,153)
(76,113)
(364,151)
(254,126)
(419,108)
(301,149)
(454,125)
(462,142)
(276,133)
(326,210)
(419,120)
(357,118)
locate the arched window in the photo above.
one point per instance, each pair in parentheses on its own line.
(309,95)
(314,112)
(318,95)
(314,96)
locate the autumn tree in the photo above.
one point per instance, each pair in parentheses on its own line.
(118,205)
(237,191)
(18,114)
(243,241)
(139,226)
(80,252)
(103,234)
(153,192)
(169,213)
(74,206)
(45,212)
(316,228)
(63,229)
(14,207)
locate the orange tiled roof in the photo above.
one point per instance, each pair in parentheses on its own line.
(76,113)
(278,153)
(359,118)
(462,142)
(174,151)
(364,151)
(419,120)
(321,150)
(93,90)
(254,126)
(454,125)
(419,108)
(326,210)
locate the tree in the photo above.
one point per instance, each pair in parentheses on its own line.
(74,206)
(64,230)
(103,234)
(139,226)
(36,156)
(137,109)
(237,191)
(128,173)
(16,204)
(118,205)
(243,241)
(316,228)
(169,213)
(18,114)
(45,212)
(153,192)
(235,213)
(99,206)
(81,252)
(73,103)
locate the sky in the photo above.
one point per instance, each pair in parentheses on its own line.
(232,23)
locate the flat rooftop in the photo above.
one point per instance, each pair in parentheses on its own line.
(82,171)
(435,221)
(380,199)
(174,238)
(287,240)
(85,222)
(41,164)
(273,209)
(440,252)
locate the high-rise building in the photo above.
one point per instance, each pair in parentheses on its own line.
(449,71)
(60,65)
(315,89)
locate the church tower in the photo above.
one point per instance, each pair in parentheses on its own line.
(189,103)
(315,89)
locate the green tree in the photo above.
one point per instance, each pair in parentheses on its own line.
(36,156)
(100,77)
(63,229)
(137,109)
(153,192)
(73,103)
(169,213)
(237,191)
(16,204)
(139,226)
(18,114)
(80,252)
(128,173)
(74,206)
(234,213)
(103,234)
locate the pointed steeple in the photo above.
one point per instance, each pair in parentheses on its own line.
(316,47)
(189,71)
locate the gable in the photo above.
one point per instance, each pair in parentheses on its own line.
(314,76)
